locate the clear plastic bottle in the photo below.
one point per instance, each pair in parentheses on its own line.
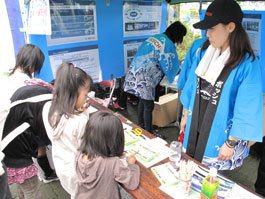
(175,153)
(210,185)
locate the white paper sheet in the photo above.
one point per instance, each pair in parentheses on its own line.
(239,192)
(155,146)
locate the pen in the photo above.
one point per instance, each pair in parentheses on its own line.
(142,137)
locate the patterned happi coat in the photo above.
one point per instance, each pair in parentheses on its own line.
(155,57)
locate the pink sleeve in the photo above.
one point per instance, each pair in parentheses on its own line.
(128,176)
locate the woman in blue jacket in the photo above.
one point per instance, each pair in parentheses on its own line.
(223,94)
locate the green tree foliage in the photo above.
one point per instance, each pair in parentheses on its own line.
(183,48)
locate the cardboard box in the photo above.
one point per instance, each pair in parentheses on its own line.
(165,111)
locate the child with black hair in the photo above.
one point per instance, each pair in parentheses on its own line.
(65,122)
(98,165)
(18,154)
(29,61)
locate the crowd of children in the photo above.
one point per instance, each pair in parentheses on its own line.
(61,122)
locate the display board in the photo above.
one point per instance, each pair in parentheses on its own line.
(11,38)
(254,24)
(99,38)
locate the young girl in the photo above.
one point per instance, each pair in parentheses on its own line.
(223,94)
(29,60)
(64,122)
(18,154)
(98,165)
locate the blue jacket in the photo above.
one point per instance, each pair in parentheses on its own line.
(189,59)
(240,109)
(155,57)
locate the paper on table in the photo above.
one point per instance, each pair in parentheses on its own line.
(126,126)
(176,192)
(239,192)
(143,152)
(165,173)
(159,141)
(130,138)
(161,151)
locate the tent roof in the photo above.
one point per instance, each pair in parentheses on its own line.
(189,1)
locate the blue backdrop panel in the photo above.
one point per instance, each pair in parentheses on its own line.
(15,22)
(110,40)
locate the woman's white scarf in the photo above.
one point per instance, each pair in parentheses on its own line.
(212,64)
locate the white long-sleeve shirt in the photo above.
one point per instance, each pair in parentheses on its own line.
(65,140)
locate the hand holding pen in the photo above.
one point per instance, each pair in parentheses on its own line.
(131,159)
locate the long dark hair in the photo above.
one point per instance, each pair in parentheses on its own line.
(103,136)
(239,46)
(67,83)
(29,56)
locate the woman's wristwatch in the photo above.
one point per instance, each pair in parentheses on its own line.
(231,143)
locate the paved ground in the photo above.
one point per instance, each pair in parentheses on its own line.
(245,175)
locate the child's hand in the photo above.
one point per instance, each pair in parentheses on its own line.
(131,159)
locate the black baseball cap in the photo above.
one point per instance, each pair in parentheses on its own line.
(220,11)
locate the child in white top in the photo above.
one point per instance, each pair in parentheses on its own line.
(98,165)
(64,123)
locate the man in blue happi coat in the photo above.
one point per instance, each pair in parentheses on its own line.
(155,58)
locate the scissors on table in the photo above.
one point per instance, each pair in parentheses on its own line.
(138,132)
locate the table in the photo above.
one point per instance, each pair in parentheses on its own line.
(148,187)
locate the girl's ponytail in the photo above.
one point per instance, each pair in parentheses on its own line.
(67,83)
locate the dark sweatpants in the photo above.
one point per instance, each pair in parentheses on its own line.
(145,111)
(4,188)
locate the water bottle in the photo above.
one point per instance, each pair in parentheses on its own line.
(175,153)
(210,185)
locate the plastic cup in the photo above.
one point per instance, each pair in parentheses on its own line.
(175,153)
(185,183)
